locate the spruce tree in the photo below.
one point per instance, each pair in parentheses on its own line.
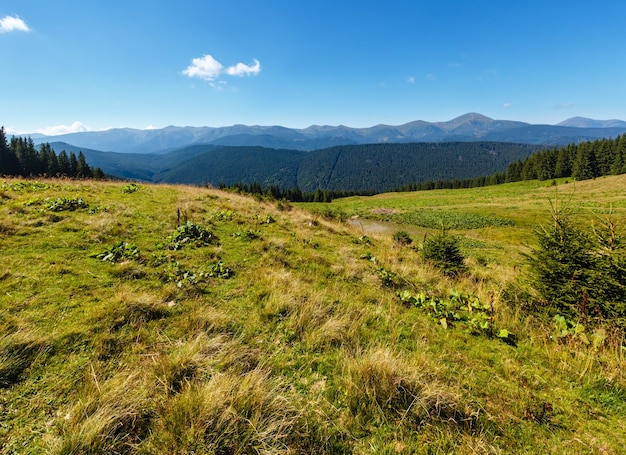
(73,165)
(585,166)
(82,168)
(9,165)
(561,264)
(64,164)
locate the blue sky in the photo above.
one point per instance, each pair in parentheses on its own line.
(72,65)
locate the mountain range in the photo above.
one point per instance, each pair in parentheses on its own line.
(466,128)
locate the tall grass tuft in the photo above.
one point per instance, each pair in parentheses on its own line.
(18,351)
(384,388)
(231,413)
(110,416)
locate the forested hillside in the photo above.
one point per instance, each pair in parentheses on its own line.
(582,161)
(363,168)
(235,164)
(380,167)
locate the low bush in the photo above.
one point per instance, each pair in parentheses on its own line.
(580,273)
(443,251)
(402,238)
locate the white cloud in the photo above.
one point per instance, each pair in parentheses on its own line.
(505,105)
(564,106)
(431,77)
(76,127)
(410,80)
(13,24)
(241,69)
(205,67)
(209,69)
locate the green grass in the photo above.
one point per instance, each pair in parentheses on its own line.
(282,331)
(504,216)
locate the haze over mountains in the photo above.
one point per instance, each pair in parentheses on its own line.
(466,128)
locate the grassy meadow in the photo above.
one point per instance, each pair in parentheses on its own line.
(147,319)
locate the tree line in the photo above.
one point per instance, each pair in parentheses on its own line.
(291,194)
(19,157)
(583,161)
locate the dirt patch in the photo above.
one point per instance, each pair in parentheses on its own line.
(384,211)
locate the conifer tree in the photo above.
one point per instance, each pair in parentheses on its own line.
(73,165)
(82,168)
(561,264)
(585,165)
(64,164)
(9,165)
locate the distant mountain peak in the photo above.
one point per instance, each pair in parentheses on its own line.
(472,117)
(583,122)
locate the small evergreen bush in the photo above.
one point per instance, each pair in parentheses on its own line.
(402,238)
(443,251)
(579,275)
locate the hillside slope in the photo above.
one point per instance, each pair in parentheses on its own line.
(372,167)
(226,324)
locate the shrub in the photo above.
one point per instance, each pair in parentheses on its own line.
(402,238)
(443,251)
(579,275)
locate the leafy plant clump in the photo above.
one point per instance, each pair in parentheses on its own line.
(247,234)
(219,270)
(443,251)
(130,188)
(121,251)
(63,204)
(25,186)
(264,219)
(191,234)
(458,309)
(182,276)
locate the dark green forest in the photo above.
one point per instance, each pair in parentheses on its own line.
(370,168)
(19,157)
(583,161)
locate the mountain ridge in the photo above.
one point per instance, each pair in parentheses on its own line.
(469,127)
